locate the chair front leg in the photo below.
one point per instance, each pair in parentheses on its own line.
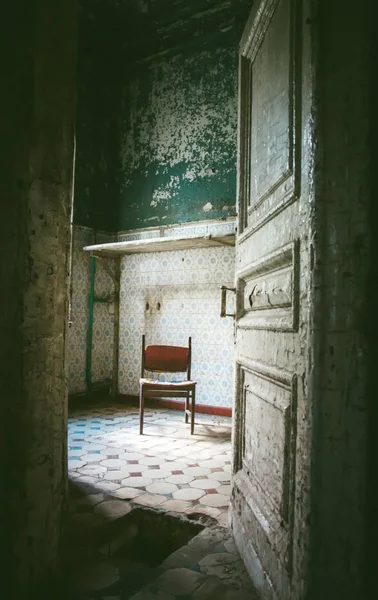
(193,410)
(141,410)
(186,407)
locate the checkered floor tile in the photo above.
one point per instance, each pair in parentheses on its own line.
(166,468)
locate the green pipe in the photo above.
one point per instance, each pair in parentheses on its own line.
(88,374)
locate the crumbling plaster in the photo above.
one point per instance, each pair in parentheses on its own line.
(178,144)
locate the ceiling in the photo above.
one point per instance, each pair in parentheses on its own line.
(142,28)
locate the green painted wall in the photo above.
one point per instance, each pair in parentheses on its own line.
(155,141)
(178,138)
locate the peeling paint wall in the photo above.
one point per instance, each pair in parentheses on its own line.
(178,139)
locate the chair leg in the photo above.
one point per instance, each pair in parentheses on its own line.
(193,407)
(141,410)
(186,407)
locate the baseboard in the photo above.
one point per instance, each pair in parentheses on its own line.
(208,409)
(94,398)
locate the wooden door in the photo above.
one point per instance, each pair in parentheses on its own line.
(270,434)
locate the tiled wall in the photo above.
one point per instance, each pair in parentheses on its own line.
(102,347)
(187,285)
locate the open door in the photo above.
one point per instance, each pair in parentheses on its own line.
(268,512)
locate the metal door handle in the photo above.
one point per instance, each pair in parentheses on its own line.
(224,290)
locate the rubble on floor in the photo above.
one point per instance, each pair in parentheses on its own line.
(127,553)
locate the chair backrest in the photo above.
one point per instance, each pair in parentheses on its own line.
(167,359)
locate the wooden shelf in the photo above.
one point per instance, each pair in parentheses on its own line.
(163,244)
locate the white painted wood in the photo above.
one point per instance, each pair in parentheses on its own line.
(159,245)
(273,308)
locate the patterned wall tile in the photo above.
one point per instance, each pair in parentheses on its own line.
(187,285)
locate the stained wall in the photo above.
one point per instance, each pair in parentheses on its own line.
(178,138)
(156,113)
(36,144)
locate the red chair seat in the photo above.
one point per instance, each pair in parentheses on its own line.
(167,359)
(168,384)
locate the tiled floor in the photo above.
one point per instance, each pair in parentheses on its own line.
(96,566)
(166,468)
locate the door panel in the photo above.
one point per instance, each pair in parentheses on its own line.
(272,315)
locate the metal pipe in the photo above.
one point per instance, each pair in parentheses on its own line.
(88,373)
(117,275)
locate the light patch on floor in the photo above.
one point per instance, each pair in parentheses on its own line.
(166,468)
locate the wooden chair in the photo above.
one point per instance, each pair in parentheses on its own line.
(167,359)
